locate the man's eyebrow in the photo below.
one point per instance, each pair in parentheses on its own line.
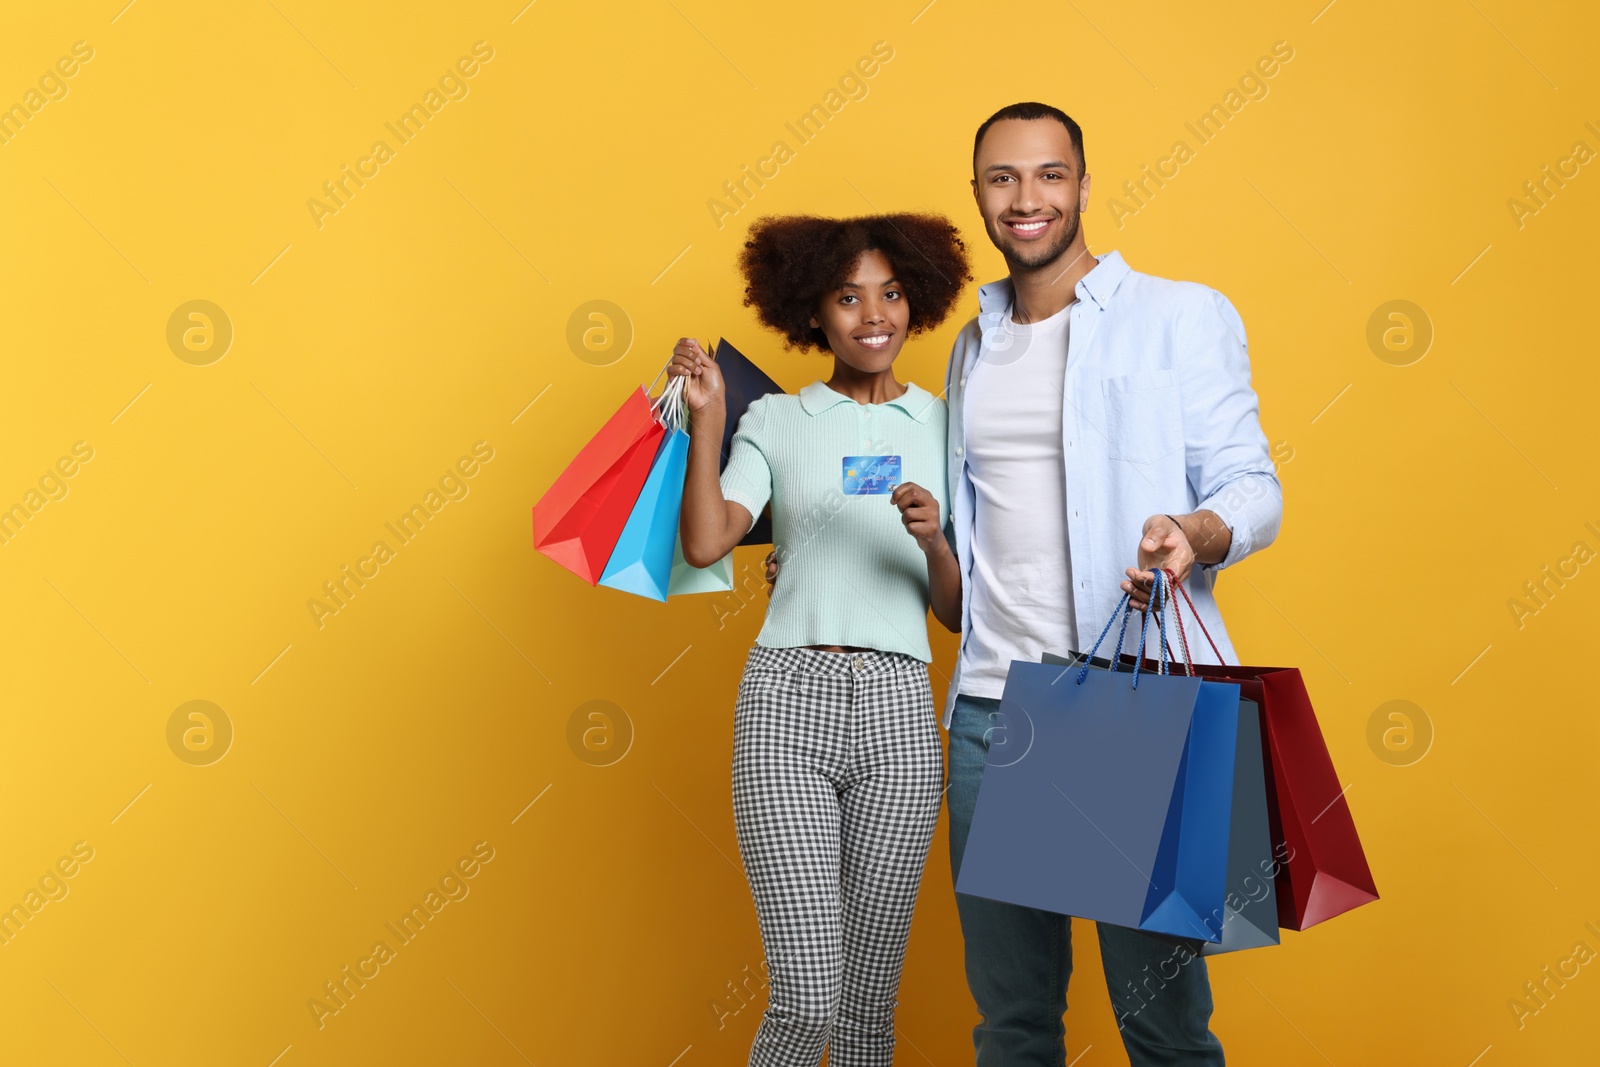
(1054,164)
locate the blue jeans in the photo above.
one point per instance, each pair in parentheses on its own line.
(1019,959)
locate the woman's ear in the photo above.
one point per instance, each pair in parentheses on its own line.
(814,324)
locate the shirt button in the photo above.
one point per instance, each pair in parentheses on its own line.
(963,379)
(960,451)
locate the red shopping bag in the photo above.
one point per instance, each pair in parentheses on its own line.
(580,517)
(1321,868)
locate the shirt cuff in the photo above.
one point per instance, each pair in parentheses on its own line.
(1238,535)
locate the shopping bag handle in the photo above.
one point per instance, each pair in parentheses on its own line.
(1177,617)
(657,378)
(1178,614)
(669,407)
(1159,598)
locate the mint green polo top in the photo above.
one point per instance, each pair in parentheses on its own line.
(849,573)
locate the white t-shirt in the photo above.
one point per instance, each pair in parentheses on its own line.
(1021,598)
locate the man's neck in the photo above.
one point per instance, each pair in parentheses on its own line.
(1040,292)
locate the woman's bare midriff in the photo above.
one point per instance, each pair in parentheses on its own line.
(838,648)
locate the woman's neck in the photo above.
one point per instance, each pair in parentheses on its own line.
(865,387)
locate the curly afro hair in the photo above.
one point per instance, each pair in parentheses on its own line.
(791,262)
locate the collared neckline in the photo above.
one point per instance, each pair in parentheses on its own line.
(1098,285)
(819,396)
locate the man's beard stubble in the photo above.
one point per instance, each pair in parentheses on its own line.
(1017,264)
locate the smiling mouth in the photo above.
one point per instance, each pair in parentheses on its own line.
(1027,227)
(875,340)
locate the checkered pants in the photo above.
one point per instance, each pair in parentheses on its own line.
(838,775)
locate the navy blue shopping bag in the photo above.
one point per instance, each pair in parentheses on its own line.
(1250,904)
(742,382)
(1118,803)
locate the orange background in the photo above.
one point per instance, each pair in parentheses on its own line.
(374,346)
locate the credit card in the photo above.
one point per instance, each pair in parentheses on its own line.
(871,475)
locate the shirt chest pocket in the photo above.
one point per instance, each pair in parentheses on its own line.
(1143,416)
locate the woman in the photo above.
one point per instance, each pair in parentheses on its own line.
(837,768)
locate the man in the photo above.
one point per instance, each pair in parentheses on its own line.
(1096,414)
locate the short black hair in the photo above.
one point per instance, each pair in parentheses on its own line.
(1032,110)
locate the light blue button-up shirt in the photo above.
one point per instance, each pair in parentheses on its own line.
(1158,417)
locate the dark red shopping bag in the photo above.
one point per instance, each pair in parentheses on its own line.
(1322,869)
(579,518)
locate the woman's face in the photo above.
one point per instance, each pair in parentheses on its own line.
(865,319)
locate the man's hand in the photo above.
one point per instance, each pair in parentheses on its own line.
(1165,545)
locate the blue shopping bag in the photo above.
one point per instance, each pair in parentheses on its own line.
(642,561)
(1249,918)
(1112,798)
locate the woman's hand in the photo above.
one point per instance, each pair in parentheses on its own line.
(704,387)
(919,511)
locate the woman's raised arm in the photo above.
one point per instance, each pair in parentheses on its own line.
(710,525)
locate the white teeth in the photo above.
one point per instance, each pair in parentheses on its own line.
(874,342)
(1030,227)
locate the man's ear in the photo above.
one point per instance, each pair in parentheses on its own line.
(1083,194)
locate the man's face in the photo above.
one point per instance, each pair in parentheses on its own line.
(1029,190)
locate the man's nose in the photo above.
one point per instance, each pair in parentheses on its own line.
(1029,196)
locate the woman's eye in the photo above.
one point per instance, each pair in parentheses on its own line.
(847,298)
